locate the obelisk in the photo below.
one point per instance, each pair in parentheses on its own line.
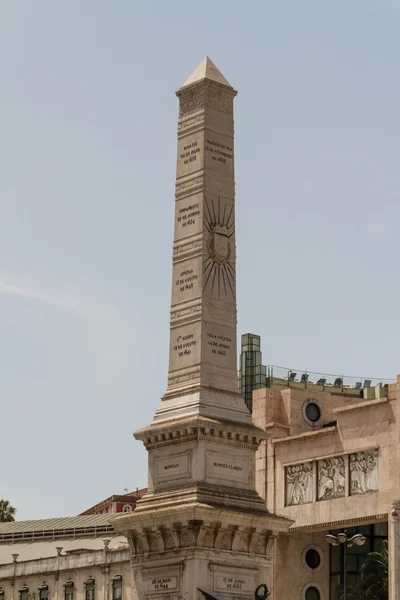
(202,376)
(202,525)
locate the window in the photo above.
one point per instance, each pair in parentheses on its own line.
(44,592)
(69,590)
(117,587)
(89,589)
(312,558)
(1,594)
(313,413)
(312,593)
(127,508)
(23,593)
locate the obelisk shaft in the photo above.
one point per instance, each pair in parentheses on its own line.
(203,307)
(203,352)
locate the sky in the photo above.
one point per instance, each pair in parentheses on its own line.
(87,172)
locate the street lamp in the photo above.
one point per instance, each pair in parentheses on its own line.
(341,539)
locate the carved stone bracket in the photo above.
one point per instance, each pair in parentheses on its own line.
(197,534)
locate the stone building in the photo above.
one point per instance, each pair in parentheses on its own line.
(76,558)
(331,463)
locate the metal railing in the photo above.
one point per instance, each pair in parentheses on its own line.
(325,380)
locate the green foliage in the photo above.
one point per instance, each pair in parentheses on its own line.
(374,581)
(7,511)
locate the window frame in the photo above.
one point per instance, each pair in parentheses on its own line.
(69,585)
(90,586)
(116,583)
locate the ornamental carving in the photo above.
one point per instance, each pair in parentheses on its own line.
(331,478)
(191,102)
(299,484)
(364,472)
(220,101)
(168,539)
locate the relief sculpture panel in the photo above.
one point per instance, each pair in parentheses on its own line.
(364,472)
(331,478)
(299,484)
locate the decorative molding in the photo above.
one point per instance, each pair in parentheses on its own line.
(198,180)
(220,100)
(191,102)
(214,433)
(192,534)
(380,518)
(305,437)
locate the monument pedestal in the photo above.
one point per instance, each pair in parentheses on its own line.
(202,524)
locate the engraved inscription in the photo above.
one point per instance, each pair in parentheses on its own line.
(184,345)
(163,583)
(220,344)
(189,153)
(188,215)
(233,583)
(173,467)
(187,280)
(226,467)
(218,151)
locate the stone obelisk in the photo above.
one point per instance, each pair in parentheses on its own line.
(202,525)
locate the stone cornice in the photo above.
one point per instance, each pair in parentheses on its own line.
(380,518)
(200,527)
(305,437)
(201,428)
(199,512)
(359,405)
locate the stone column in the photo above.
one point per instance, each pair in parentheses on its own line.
(394,551)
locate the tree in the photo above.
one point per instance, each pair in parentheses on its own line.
(7,511)
(374,581)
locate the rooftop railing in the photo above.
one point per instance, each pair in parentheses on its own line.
(324,380)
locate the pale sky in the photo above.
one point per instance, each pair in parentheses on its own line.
(87,172)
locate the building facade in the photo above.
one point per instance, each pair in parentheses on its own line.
(331,464)
(76,558)
(116,503)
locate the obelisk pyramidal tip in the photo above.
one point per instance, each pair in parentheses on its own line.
(206,70)
(202,378)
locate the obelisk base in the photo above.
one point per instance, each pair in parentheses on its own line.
(176,552)
(203,402)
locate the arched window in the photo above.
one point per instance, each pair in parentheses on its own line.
(117,587)
(127,508)
(23,592)
(69,590)
(44,592)
(90,588)
(312,593)
(1,594)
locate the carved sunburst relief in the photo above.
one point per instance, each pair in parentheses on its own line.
(218,267)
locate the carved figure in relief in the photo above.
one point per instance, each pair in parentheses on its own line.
(299,484)
(331,478)
(364,472)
